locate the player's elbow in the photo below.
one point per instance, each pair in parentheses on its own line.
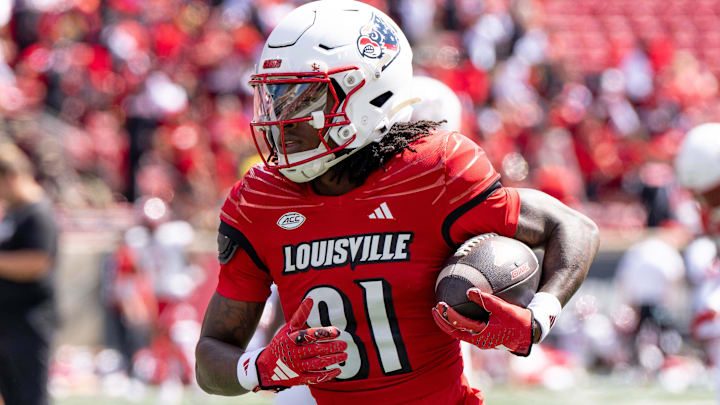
(589,228)
(203,384)
(201,380)
(215,372)
(584,236)
(202,373)
(575,227)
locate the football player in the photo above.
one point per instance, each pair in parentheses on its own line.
(697,165)
(352,216)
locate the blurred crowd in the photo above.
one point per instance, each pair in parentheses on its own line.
(146,101)
(122,99)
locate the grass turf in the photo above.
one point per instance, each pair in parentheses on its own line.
(602,393)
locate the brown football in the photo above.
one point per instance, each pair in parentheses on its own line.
(504,267)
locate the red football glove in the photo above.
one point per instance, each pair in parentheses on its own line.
(295,356)
(508,327)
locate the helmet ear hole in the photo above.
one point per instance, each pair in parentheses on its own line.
(380,100)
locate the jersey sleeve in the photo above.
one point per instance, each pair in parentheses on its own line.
(37,232)
(240,279)
(476,200)
(243,275)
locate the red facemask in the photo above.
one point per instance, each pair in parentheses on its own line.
(282,99)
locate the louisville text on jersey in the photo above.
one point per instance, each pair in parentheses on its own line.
(353,250)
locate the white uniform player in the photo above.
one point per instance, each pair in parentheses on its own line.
(698,169)
(650,272)
(437,102)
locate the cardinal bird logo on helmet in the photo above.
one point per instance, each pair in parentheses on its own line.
(378,40)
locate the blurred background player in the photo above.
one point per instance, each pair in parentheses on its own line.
(436,102)
(650,280)
(28,248)
(698,169)
(149,281)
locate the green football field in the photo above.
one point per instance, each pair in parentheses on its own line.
(601,393)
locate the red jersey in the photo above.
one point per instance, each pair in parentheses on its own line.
(369,259)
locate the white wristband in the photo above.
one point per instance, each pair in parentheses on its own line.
(546,309)
(246,370)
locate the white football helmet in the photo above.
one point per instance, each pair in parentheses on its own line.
(343,67)
(437,102)
(697,165)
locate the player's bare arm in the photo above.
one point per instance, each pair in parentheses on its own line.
(569,238)
(226,331)
(24,265)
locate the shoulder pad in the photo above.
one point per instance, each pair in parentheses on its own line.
(230,239)
(226,248)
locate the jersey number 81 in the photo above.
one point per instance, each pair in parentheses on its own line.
(332,308)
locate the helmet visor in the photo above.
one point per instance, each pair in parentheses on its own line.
(285,101)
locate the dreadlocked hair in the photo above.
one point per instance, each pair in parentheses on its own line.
(359,166)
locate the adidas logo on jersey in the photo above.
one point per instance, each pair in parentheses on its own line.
(381,212)
(282,372)
(353,250)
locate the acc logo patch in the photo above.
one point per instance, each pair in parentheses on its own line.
(291,220)
(378,40)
